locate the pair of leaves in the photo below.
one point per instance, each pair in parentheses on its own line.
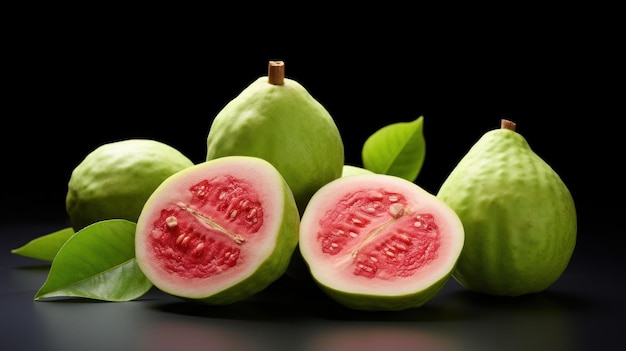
(397,149)
(97,262)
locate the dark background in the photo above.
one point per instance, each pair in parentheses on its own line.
(76,85)
(77,78)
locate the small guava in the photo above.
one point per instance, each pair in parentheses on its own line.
(219,231)
(379,242)
(114,180)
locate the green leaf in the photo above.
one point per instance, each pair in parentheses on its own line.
(45,247)
(98,262)
(397,149)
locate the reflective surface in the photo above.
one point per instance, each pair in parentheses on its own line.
(581,311)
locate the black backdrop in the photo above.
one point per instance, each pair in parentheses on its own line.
(75,78)
(75,86)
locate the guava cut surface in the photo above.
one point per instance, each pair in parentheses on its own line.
(285,125)
(379,242)
(114,180)
(219,231)
(297,268)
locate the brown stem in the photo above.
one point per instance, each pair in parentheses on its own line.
(506,124)
(276,72)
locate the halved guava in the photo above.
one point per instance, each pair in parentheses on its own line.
(219,231)
(379,242)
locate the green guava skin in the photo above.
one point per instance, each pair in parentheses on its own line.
(350,170)
(374,303)
(115,180)
(519,217)
(286,126)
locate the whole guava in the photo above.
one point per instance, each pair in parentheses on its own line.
(276,119)
(518,214)
(114,180)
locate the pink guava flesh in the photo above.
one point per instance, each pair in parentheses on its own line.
(381,236)
(203,237)
(382,240)
(218,231)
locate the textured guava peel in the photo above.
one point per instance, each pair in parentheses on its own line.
(114,180)
(379,242)
(518,214)
(219,231)
(277,119)
(350,170)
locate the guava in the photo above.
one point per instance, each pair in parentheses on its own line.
(277,119)
(114,180)
(219,231)
(349,170)
(518,214)
(297,268)
(379,242)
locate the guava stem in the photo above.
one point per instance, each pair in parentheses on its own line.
(276,73)
(507,124)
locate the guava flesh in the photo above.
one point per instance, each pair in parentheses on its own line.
(379,242)
(203,238)
(219,231)
(383,241)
